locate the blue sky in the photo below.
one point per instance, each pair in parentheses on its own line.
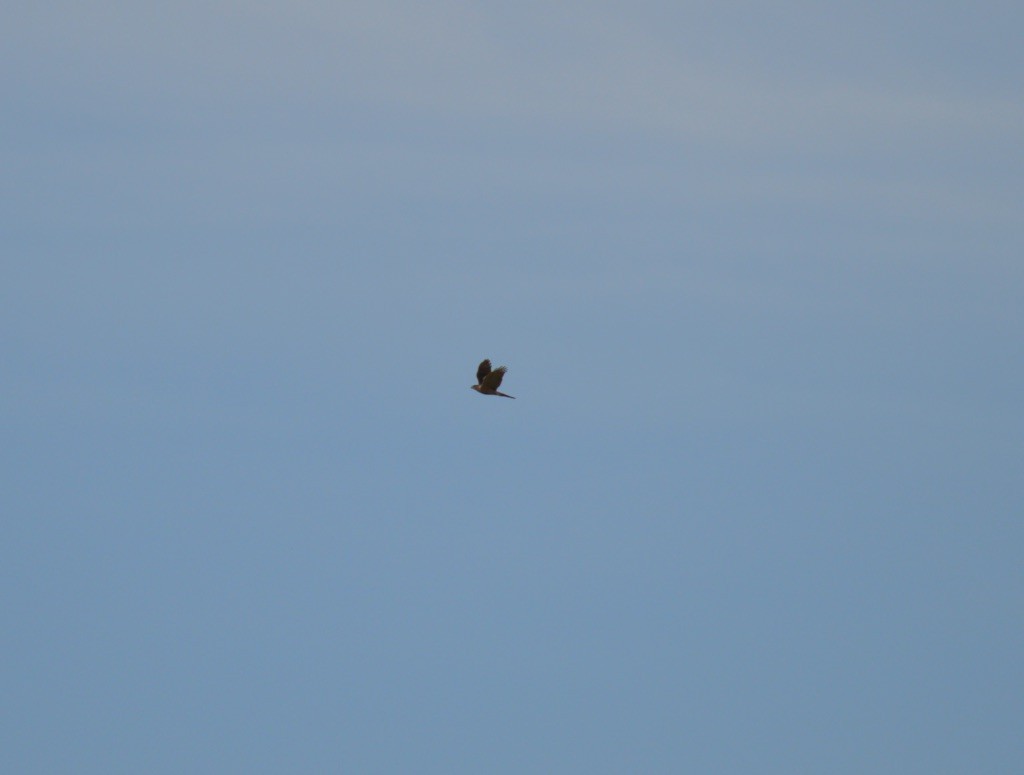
(755,270)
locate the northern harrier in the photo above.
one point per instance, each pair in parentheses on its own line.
(487,381)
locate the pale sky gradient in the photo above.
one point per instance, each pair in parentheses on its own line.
(755,269)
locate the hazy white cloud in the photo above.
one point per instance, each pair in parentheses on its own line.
(580,67)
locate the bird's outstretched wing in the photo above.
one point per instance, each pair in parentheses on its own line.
(483,370)
(493,380)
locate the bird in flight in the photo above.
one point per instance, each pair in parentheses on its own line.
(487,381)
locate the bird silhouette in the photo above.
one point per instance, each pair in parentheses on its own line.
(487,381)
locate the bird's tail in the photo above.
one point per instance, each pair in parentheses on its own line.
(506,395)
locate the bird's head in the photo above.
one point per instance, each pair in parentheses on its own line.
(475,387)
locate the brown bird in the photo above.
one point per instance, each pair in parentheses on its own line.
(487,381)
